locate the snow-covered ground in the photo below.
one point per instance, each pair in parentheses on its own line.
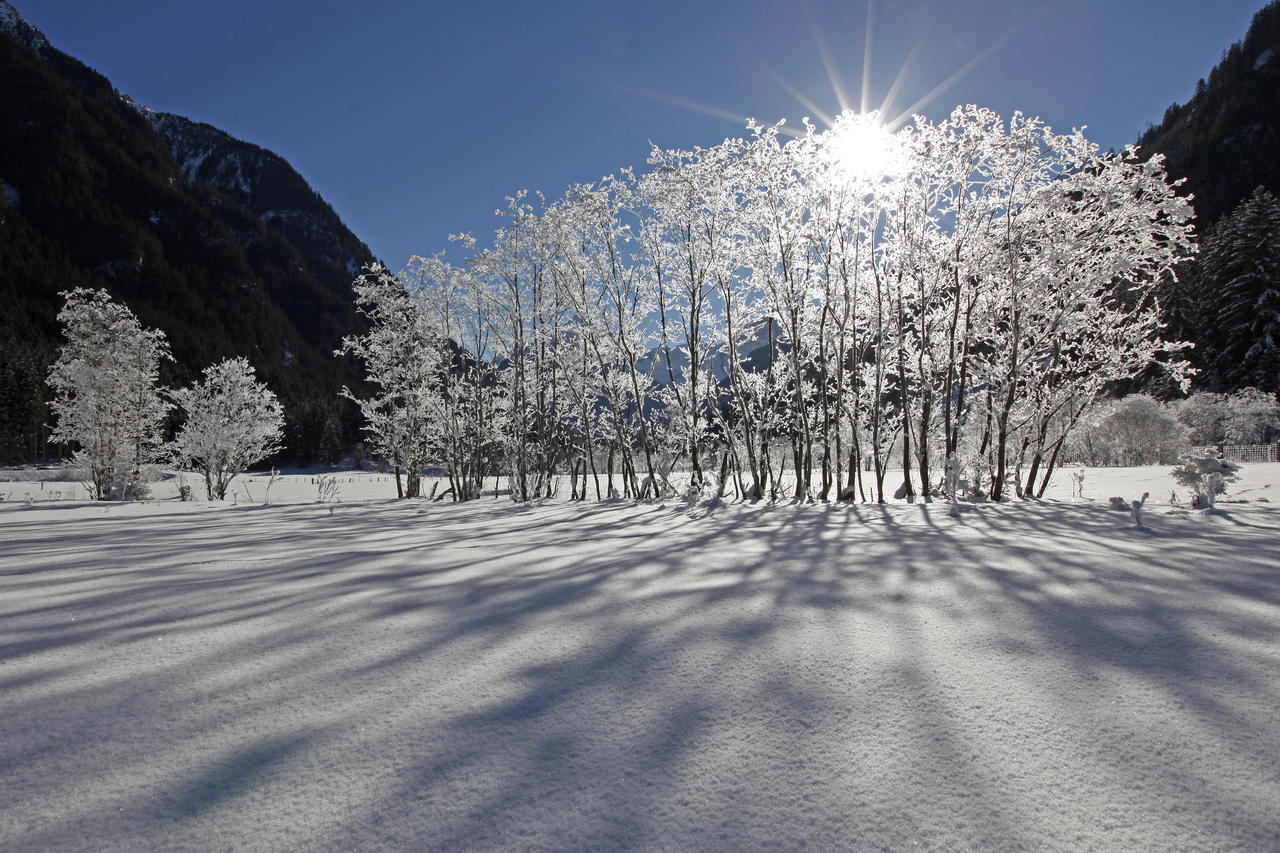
(372,674)
(41,485)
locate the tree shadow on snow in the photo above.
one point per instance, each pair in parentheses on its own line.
(611,676)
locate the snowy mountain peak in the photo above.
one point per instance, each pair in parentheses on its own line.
(14,24)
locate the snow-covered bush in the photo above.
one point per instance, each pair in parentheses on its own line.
(1136,430)
(233,421)
(1206,476)
(106,393)
(138,486)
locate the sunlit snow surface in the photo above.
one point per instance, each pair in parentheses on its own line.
(410,675)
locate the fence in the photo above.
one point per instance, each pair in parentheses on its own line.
(1242,452)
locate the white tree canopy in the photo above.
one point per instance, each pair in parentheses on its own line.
(233,421)
(106,392)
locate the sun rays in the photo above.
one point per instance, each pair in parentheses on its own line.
(886,120)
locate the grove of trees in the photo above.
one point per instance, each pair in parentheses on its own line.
(792,313)
(112,409)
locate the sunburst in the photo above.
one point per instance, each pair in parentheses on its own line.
(861,147)
(867,131)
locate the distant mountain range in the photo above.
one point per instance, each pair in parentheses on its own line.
(216,241)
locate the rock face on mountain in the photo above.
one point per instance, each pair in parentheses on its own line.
(218,242)
(268,187)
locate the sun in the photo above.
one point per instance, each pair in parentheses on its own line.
(862,148)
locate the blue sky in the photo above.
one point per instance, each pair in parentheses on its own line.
(415,120)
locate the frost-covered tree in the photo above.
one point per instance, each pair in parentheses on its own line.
(604,288)
(850,174)
(777,241)
(1081,240)
(106,392)
(1252,416)
(452,315)
(233,421)
(529,322)
(687,239)
(404,357)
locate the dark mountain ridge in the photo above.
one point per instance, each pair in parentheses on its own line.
(218,242)
(1226,139)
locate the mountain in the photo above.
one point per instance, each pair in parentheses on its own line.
(1226,142)
(1226,139)
(218,242)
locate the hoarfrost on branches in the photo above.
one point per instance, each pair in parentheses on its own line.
(232,422)
(106,393)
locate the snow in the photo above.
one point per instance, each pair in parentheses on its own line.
(381,674)
(238,180)
(1264,58)
(11,21)
(191,165)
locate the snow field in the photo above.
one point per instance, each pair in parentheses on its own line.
(413,675)
(30,485)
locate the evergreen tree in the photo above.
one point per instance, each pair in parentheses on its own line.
(1240,281)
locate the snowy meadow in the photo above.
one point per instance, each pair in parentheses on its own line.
(367,673)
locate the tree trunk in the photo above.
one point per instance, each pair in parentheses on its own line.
(922,448)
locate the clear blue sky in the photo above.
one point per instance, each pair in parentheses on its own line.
(415,120)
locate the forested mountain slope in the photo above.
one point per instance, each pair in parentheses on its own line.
(1226,141)
(219,243)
